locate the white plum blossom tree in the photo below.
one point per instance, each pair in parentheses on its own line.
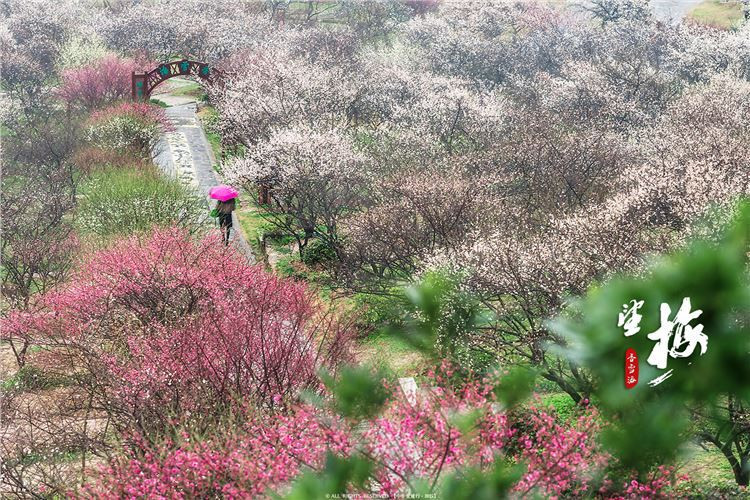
(314,178)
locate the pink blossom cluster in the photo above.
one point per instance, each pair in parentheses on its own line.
(264,453)
(655,486)
(562,460)
(416,437)
(97,84)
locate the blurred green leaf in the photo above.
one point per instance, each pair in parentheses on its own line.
(516,386)
(339,474)
(465,421)
(652,421)
(438,318)
(477,484)
(358,391)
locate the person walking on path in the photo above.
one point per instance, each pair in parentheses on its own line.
(225,209)
(226,197)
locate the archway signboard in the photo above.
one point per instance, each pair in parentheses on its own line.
(144,83)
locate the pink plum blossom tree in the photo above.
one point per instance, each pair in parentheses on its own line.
(99,83)
(167,327)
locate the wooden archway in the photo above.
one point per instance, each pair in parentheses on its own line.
(144,83)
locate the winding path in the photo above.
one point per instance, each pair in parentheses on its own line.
(673,10)
(667,11)
(186,154)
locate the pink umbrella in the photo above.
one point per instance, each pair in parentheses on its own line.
(223,193)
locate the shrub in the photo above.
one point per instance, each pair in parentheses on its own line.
(130,125)
(440,318)
(562,461)
(409,440)
(91,158)
(317,252)
(563,405)
(99,83)
(165,327)
(122,202)
(158,102)
(290,266)
(378,311)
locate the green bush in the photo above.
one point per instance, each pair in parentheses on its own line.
(122,202)
(128,125)
(377,311)
(158,102)
(81,51)
(317,252)
(437,318)
(455,316)
(123,132)
(562,403)
(544,386)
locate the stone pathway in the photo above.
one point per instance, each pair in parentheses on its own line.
(186,154)
(673,10)
(667,11)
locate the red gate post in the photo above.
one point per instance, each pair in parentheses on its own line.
(138,87)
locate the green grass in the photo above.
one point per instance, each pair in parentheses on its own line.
(159,103)
(379,311)
(723,15)
(709,472)
(55,457)
(214,140)
(562,403)
(253,227)
(117,202)
(192,89)
(256,230)
(31,378)
(208,115)
(289,266)
(392,354)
